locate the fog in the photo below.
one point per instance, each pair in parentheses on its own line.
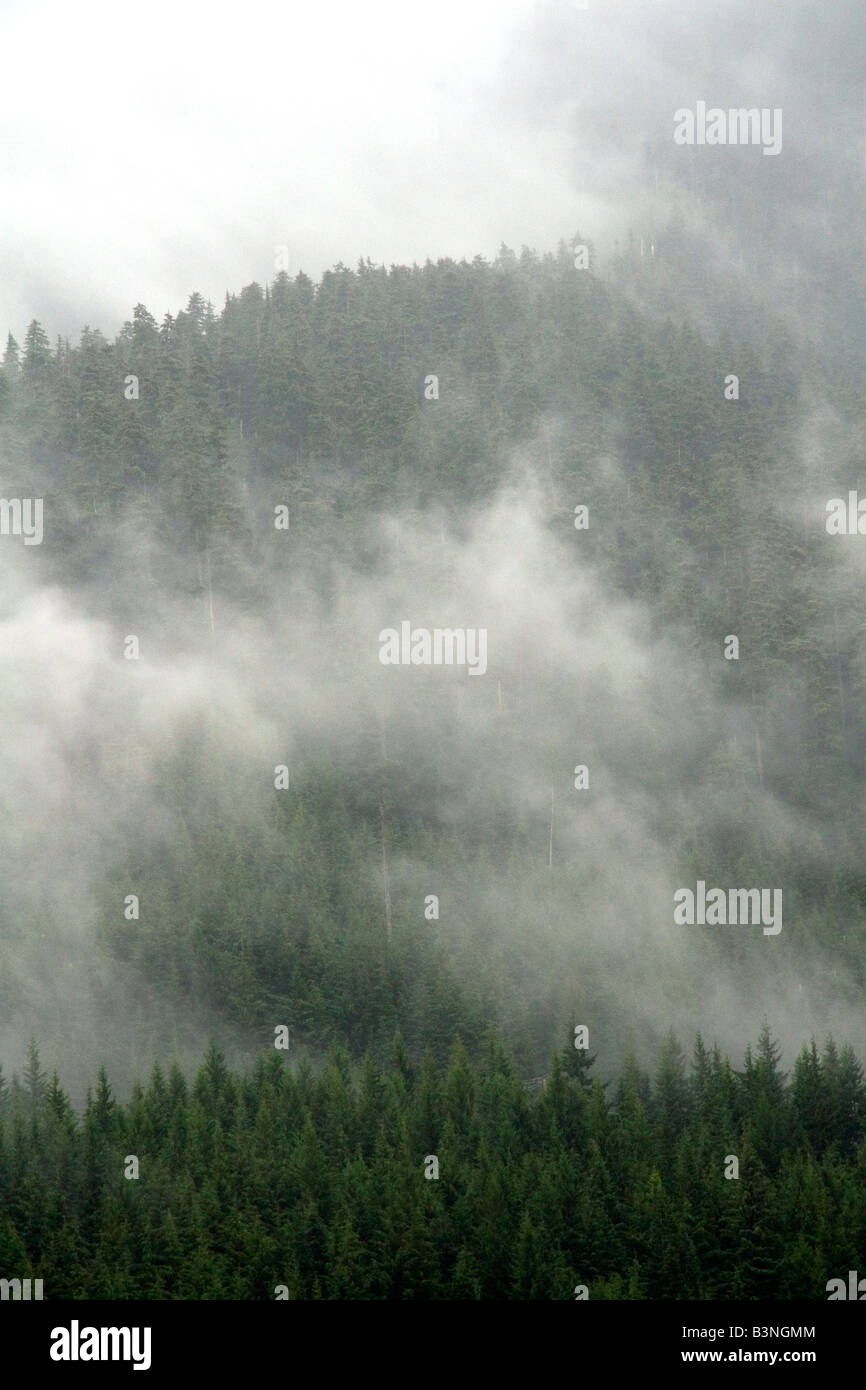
(401,135)
(520,124)
(109,763)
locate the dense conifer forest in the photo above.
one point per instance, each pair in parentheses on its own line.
(285,1184)
(163,458)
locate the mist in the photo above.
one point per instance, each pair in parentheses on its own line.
(121,774)
(433,693)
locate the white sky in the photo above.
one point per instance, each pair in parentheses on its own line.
(150,150)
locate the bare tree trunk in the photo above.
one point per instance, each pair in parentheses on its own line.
(383,742)
(210,594)
(550,493)
(386,875)
(386,871)
(550,837)
(839,674)
(758,751)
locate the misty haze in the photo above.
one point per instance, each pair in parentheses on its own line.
(432,639)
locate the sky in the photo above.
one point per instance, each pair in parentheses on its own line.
(147,153)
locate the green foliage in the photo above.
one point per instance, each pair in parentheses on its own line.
(312,394)
(318,1183)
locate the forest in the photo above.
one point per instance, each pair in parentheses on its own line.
(163,459)
(285,1184)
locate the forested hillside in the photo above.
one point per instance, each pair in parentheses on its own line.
(252,495)
(162,457)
